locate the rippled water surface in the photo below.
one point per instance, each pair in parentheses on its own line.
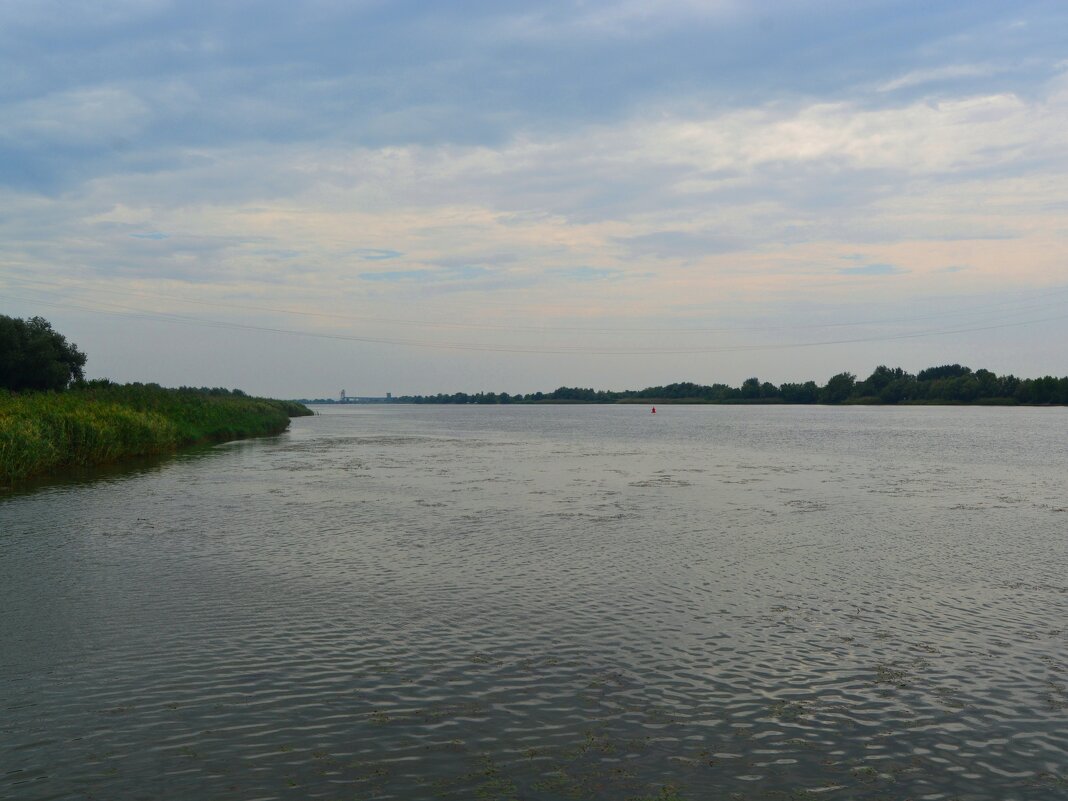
(551,603)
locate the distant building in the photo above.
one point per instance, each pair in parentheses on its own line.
(389,396)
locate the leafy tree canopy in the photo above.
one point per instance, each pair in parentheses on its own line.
(945,371)
(35,357)
(838,388)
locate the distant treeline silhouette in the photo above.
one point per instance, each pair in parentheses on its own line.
(950,383)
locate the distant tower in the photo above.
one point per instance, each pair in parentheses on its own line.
(389,396)
(344,398)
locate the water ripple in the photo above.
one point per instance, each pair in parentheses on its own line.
(545,603)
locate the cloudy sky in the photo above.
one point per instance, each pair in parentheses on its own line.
(434,196)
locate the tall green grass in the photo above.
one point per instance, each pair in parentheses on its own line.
(103,422)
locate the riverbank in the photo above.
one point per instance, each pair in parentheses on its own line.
(105,423)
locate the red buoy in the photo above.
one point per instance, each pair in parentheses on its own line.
(654,410)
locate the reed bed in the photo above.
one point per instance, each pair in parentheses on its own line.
(46,431)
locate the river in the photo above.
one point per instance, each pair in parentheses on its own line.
(550,602)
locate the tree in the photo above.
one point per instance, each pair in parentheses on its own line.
(35,357)
(751,388)
(800,393)
(877,383)
(838,388)
(897,390)
(945,371)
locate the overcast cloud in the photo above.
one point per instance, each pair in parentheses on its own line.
(423,197)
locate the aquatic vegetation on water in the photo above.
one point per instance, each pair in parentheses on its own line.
(667,793)
(788,710)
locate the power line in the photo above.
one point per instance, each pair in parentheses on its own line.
(482,347)
(1029,305)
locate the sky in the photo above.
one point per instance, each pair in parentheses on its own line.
(421,197)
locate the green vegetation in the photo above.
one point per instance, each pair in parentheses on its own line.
(948,384)
(100,422)
(33,356)
(45,426)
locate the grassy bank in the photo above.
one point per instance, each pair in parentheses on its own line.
(97,424)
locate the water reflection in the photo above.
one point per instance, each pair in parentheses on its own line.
(130,467)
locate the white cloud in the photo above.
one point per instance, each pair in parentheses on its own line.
(948,72)
(669,194)
(968,133)
(694,209)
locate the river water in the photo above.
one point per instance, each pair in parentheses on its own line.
(552,602)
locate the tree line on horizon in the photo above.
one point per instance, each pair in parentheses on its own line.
(34,357)
(949,383)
